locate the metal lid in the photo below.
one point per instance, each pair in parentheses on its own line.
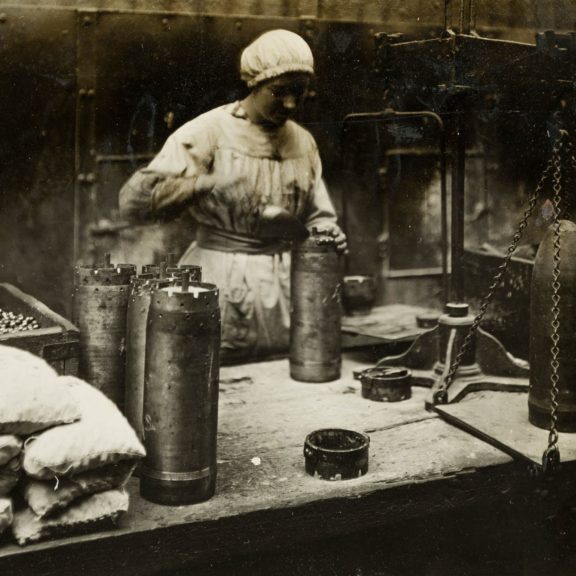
(427,319)
(456,309)
(386,383)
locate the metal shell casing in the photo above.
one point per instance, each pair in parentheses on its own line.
(315,312)
(181,395)
(100,305)
(541,317)
(141,289)
(140,296)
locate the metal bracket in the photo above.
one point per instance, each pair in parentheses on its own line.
(497,369)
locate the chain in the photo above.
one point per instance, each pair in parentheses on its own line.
(572,156)
(551,456)
(440,395)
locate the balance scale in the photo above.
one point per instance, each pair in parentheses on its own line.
(478,387)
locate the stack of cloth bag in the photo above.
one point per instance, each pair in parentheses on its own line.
(66,452)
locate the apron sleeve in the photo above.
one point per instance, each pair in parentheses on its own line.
(163,188)
(320,210)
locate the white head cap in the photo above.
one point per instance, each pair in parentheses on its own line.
(275,53)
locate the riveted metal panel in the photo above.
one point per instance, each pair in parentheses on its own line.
(156,71)
(153,73)
(86,196)
(344,54)
(148,75)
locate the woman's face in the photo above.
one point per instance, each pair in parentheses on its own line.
(277,100)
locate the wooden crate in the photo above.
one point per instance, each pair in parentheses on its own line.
(57,340)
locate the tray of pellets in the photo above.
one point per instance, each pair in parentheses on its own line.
(27,323)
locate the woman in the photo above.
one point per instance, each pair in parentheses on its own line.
(242,170)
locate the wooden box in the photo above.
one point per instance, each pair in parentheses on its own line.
(57,340)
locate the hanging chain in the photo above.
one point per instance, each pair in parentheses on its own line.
(551,456)
(440,394)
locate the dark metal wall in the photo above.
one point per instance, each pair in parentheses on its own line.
(515,15)
(88,96)
(37,147)
(90,90)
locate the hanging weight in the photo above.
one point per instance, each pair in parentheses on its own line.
(540,404)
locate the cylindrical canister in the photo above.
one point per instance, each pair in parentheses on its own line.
(141,289)
(181,395)
(541,319)
(336,454)
(100,306)
(315,313)
(386,383)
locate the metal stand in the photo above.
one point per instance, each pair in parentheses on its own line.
(448,74)
(486,365)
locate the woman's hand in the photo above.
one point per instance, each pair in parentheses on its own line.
(334,230)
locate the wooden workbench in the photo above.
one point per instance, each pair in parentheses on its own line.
(419,466)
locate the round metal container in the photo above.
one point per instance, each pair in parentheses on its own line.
(100,307)
(181,395)
(539,396)
(315,319)
(336,454)
(427,319)
(388,384)
(358,294)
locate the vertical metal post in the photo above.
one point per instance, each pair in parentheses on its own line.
(444,219)
(465,16)
(85,199)
(447,14)
(458,145)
